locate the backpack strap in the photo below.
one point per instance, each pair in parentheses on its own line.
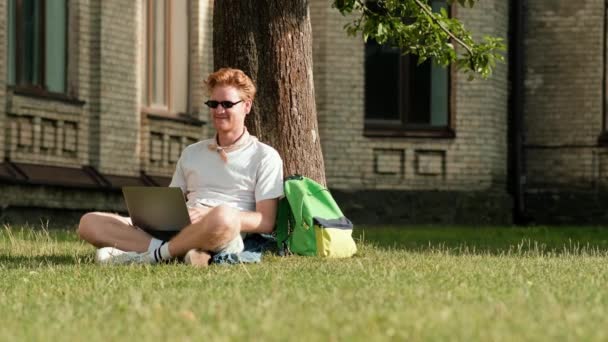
(282,226)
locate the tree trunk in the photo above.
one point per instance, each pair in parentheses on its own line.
(271,41)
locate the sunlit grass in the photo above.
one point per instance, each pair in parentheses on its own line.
(413,283)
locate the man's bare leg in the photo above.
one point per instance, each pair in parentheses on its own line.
(111,230)
(222,217)
(220,226)
(217,228)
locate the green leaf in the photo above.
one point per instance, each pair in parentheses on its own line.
(344,6)
(413,28)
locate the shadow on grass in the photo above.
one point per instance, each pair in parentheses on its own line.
(487,240)
(36,261)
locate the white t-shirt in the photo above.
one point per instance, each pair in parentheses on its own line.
(252,174)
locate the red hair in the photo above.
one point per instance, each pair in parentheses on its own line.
(232,77)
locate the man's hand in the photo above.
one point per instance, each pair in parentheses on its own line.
(197,214)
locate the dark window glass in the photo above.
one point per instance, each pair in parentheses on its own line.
(400,94)
(30,68)
(37,44)
(381,71)
(420,99)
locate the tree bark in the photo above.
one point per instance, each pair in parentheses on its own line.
(271,41)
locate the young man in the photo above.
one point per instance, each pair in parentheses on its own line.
(232,184)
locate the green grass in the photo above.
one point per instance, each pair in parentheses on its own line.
(413,283)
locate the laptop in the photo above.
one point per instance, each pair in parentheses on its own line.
(160,211)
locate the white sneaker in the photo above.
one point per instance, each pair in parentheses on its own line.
(118,257)
(104,254)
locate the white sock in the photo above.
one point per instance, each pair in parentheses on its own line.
(154,244)
(161,253)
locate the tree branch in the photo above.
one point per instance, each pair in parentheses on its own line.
(448,32)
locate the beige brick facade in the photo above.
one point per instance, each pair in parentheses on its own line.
(100,124)
(472,161)
(564,94)
(565,99)
(201,44)
(101,131)
(118,127)
(3,76)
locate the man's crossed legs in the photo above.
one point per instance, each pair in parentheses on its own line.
(213,230)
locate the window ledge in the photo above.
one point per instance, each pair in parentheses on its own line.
(85,177)
(443,133)
(40,93)
(180,117)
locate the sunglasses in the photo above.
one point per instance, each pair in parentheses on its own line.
(225,104)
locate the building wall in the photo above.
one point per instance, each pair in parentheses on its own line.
(564,99)
(97,134)
(41,130)
(389,180)
(201,45)
(88,29)
(473,161)
(119,89)
(163,138)
(104,129)
(566,168)
(3,76)
(482,107)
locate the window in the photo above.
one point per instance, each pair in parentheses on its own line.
(165,51)
(37,45)
(403,98)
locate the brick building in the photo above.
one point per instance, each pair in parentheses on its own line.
(101,94)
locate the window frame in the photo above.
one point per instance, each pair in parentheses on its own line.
(146,103)
(400,127)
(30,89)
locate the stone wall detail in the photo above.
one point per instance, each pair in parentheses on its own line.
(163,142)
(389,162)
(36,134)
(430,163)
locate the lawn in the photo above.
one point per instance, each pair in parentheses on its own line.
(407,283)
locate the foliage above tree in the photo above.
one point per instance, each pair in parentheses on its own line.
(412,26)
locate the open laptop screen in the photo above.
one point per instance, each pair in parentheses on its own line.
(156,208)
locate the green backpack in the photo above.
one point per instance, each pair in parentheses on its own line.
(309,222)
